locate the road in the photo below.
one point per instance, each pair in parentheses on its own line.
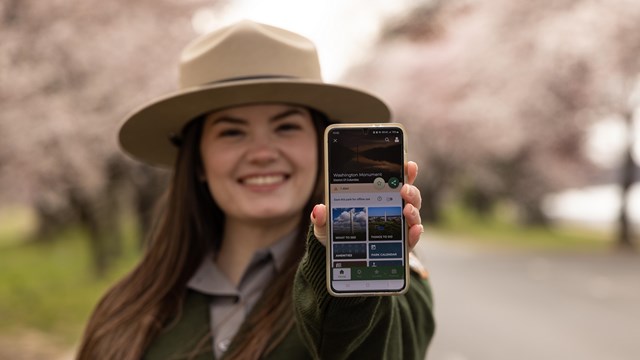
(513,305)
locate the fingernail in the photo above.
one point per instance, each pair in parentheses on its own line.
(313,213)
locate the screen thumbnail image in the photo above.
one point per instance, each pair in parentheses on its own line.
(385,223)
(349,224)
(349,251)
(375,155)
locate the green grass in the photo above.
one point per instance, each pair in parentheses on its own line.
(50,286)
(500,230)
(15,223)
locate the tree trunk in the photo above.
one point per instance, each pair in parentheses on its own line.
(99,254)
(625,231)
(99,218)
(479,201)
(52,219)
(431,205)
(531,214)
(148,186)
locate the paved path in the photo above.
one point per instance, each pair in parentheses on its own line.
(508,305)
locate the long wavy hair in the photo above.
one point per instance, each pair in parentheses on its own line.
(133,312)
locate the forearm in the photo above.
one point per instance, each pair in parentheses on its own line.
(377,326)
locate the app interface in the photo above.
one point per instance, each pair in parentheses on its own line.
(365,209)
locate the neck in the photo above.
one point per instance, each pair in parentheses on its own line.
(241,240)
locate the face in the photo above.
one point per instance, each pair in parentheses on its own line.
(260,161)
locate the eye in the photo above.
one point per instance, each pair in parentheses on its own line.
(232,132)
(289,126)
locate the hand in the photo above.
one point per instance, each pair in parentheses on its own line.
(411,211)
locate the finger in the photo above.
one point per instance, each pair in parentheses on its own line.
(319,221)
(411,215)
(414,223)
(411,195)
(412,172)
(414,235)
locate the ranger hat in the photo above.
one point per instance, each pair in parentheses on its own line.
(244,63)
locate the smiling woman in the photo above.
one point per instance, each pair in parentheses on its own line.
(235,267)
(260,162)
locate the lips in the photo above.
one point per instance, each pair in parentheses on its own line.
(264,180)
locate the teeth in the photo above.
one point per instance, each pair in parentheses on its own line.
(264,180)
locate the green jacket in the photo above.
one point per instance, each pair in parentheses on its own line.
(384,327)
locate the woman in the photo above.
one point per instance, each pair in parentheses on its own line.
(233,270)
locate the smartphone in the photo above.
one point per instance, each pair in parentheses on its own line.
(365,168)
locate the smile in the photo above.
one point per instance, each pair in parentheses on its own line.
(263,180)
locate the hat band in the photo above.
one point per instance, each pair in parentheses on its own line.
(252,77)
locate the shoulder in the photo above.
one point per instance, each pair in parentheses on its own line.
(188,331)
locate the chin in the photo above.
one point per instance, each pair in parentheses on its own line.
(274,215)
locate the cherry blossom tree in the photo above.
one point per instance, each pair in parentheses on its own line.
(498,94)
(71,70)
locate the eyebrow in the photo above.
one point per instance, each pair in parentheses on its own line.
(287,113)
(241,121)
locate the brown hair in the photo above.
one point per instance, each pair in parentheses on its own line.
(139,306)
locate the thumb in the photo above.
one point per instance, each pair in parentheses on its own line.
(319,221)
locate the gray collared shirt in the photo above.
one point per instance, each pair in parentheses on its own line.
(230,305)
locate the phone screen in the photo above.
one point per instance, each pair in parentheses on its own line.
(365,172)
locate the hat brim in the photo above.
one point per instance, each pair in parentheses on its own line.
(146,133)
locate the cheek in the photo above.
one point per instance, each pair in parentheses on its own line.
(307,158)
(219,187)
(305,149)
(217,165)
(211,165)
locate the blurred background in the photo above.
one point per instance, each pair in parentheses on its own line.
(522,117)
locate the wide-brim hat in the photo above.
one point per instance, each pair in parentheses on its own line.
(244,63)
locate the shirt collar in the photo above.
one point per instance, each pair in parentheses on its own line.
(280,249)
(209,279)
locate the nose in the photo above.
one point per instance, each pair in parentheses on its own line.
(262,151)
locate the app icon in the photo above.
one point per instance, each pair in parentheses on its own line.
(378,183)
(394,182)
(342,274)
